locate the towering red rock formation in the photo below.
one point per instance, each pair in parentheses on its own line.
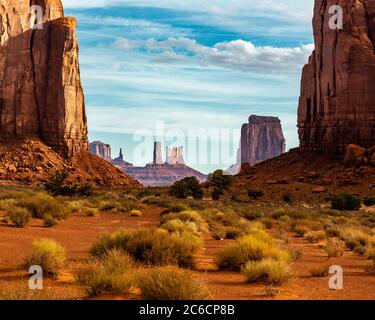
(337,103)
(40,88)
(261,139)
(158,158)
(175,155)
(101,150)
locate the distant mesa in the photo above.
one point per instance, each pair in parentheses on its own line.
(103,150)
(120,162)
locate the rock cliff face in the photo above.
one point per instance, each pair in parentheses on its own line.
(40,88)
(261,139)
(158,158)
(101,150)
(337,103)
(175,155)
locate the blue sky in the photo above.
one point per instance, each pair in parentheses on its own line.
(190,65)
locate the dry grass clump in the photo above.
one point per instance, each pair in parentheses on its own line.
(334,248)
(289,212)
(295,253)
(50,221)
(268,271)
(20,217)
(179,226)
(136,213)
(357,240)
(185,216)
(249,248)
(49,255)
(111,273)
(90,212)
(315,236)
(170,283)
(320,271)
(153,247)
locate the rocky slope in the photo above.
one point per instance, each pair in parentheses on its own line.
(337,103)
(40,87)
(261,139)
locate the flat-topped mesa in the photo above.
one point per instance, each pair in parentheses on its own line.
(337,103)
(261,139)
(41,94)
(101,150)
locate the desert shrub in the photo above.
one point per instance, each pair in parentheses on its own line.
(136,213)
(111,273)
(20,217)
(333,232)
(354,238)
(268,271)
(91,212)
(175,208)
(346,202)
(42,204)
(315,236)
(7,204)
(170,283)
(288,198)
(50,221)
(320,271)
(58,185)
(292,213)
(371,267)
(150,246)
(111,206)
(219,233)
(253,215)
(185,188)
(177,225)
(184,216)
(369,202)
(49,255)
(370,252)
(248,248)
(295,253)
(255,194)
(216,194)
(334,248)
(147,193)
(76,205)
(219,181)
(267,222)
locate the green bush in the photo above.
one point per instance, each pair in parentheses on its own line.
(112,273)
(216,194)
(153,247)
(170,283)
(219,181)
(255,194)
(369,202)
(58,185)
(42,204)
(268,271)
(19,216)
(49,255)
(346,202)
(188,187)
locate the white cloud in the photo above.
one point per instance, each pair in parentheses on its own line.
(238,54)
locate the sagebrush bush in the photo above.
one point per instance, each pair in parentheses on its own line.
(170,283)
(185,216)
(334,248)
(153,247)
(20,217)
(177,225)
(268,271)
(90,212)
(42,204)
(49,255)
(320,271)
(248,248)
(111,273)
(315,236)
(50,221)
(346,202)
(354,238)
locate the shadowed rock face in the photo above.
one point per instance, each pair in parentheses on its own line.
(261,139)
(40,88)
(337,103)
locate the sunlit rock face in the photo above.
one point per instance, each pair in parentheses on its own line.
(41,94)
(337,102)
(261,139)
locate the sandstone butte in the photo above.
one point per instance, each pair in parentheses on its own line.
(337,102)
(40,87)
(41,95)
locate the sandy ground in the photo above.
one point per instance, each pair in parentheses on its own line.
(78,233)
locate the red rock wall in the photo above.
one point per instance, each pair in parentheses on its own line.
(41,94)
(261,139)
(337,102)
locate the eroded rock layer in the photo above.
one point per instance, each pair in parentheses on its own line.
(261,139)
(41,94)
(337,103)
